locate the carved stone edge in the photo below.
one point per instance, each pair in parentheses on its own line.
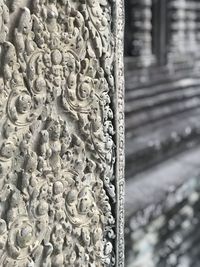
(119,16)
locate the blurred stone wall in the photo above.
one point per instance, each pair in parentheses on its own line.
(162,48)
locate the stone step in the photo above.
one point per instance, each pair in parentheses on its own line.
(162,99)
(162,114)
(138,79)
(156,142)
(151,186)
(145,117)
(147,90)
(172,122)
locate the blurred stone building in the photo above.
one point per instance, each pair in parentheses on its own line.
(162,69)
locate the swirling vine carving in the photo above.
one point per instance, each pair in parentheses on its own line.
(57,146)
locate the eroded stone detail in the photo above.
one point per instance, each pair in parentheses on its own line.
(57,148)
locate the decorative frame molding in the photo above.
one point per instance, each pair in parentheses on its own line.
(119,17)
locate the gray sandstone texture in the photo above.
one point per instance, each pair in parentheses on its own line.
(61,133)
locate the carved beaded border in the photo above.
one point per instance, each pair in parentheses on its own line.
(118,13)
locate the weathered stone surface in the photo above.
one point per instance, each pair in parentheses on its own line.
(61,128)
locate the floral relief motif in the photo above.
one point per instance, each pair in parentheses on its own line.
(57,145)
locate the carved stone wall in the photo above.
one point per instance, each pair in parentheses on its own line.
(61,128)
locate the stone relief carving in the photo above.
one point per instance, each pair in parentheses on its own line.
(58,146)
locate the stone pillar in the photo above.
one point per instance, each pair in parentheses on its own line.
(191,27)
(142,32)
(198,27)
(61,129)
(177,29)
